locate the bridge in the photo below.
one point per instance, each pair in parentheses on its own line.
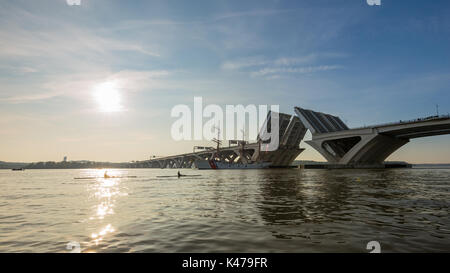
(366,146)
(291,132)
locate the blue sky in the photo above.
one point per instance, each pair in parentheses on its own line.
(366,64)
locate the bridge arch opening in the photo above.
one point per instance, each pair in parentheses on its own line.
(339,147)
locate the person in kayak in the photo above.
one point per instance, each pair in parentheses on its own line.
(106,175)
(179,174)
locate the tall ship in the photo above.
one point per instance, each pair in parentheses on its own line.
(241,154)
(217,165)
(243,163)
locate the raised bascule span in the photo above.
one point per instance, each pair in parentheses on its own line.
(367,146)
(291,132)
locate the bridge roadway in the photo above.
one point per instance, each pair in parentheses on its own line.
(188,159)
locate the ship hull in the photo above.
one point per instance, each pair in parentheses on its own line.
(214,165)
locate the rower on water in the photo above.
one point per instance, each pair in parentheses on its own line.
(179,174)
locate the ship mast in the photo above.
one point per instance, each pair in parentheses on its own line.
(217,140)
(243,139)
(242,147)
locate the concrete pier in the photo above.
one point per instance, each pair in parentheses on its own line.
(366,146)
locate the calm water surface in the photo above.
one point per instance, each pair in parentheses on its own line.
(226,211)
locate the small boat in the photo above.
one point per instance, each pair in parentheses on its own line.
(96,177)
(181,175)
(18,169)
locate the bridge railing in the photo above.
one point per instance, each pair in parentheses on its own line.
(405,121)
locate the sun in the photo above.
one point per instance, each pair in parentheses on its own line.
(108,97)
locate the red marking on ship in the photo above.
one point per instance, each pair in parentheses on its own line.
(212,164)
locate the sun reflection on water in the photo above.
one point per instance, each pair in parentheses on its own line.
(104,209)
(105,191)
(98,237)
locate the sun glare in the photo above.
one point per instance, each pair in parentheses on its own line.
(108,97)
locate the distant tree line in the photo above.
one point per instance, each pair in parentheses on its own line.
(79,165)
(11,165)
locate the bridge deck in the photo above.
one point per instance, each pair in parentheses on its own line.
(407,129)
(222,149)
(412,121)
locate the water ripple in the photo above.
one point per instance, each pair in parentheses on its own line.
(406,210)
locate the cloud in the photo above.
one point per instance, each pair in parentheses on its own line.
(293,61)
(31,97)
(71,41)
(136,81)
(32,36)
(276,68)
(273,72)
(77,86)
(266,12)
(18,69)
(260,61)
(56,58)
(243,63)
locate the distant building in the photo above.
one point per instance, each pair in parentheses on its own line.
(65,159)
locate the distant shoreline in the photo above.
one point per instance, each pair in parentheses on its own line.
(84,164)
(133,165)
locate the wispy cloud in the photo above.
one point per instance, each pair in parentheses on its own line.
(244,62)
(264,12)
(276,68)
(296,60)
(70,58)
(18,69)
(276,72)
(142,24)
(31,97)
(78,86)
(70,41)
(33,37)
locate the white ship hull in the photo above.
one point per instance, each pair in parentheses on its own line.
(214,165)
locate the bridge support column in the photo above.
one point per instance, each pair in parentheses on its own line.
(318,146)
(373,150)
(370,150)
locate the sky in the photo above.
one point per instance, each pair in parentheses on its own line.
(98,80)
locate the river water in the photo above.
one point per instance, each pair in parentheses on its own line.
(274,210)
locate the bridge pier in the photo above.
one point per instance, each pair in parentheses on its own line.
(368,146)
(370,149)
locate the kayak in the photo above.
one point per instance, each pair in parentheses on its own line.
(183,175)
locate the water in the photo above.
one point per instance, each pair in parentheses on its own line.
(405,210)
